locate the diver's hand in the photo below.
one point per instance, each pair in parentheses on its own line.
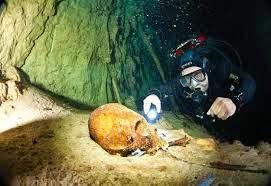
(151,99)
(222,108)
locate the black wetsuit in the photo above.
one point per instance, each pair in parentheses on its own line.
(226,79)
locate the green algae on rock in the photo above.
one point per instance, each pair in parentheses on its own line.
(89,52)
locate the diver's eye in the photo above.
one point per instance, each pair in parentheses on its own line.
(198,75)
(185,81)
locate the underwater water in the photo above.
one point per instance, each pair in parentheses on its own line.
(89,53)
(71,57)
(240,24)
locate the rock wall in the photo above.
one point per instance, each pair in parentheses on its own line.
(89,52)
(11,85)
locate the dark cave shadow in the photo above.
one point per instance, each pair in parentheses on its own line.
(27,149)
(68,101)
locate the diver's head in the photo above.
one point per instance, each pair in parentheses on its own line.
(192,69)
(194,78)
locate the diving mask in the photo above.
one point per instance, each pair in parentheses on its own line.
(195,80)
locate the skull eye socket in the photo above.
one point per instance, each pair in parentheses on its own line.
(131,139)
(137,124)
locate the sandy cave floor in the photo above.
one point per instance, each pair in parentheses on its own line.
(51,146)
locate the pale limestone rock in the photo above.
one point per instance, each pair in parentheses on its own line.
(3,92)
(13,90)
(10,83)
(11,73)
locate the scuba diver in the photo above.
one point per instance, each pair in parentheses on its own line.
(210,83)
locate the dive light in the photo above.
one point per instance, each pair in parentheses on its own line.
(152,116)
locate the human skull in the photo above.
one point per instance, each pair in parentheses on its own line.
(118,129)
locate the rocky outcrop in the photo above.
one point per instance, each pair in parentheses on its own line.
(90,52)
(10,84)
